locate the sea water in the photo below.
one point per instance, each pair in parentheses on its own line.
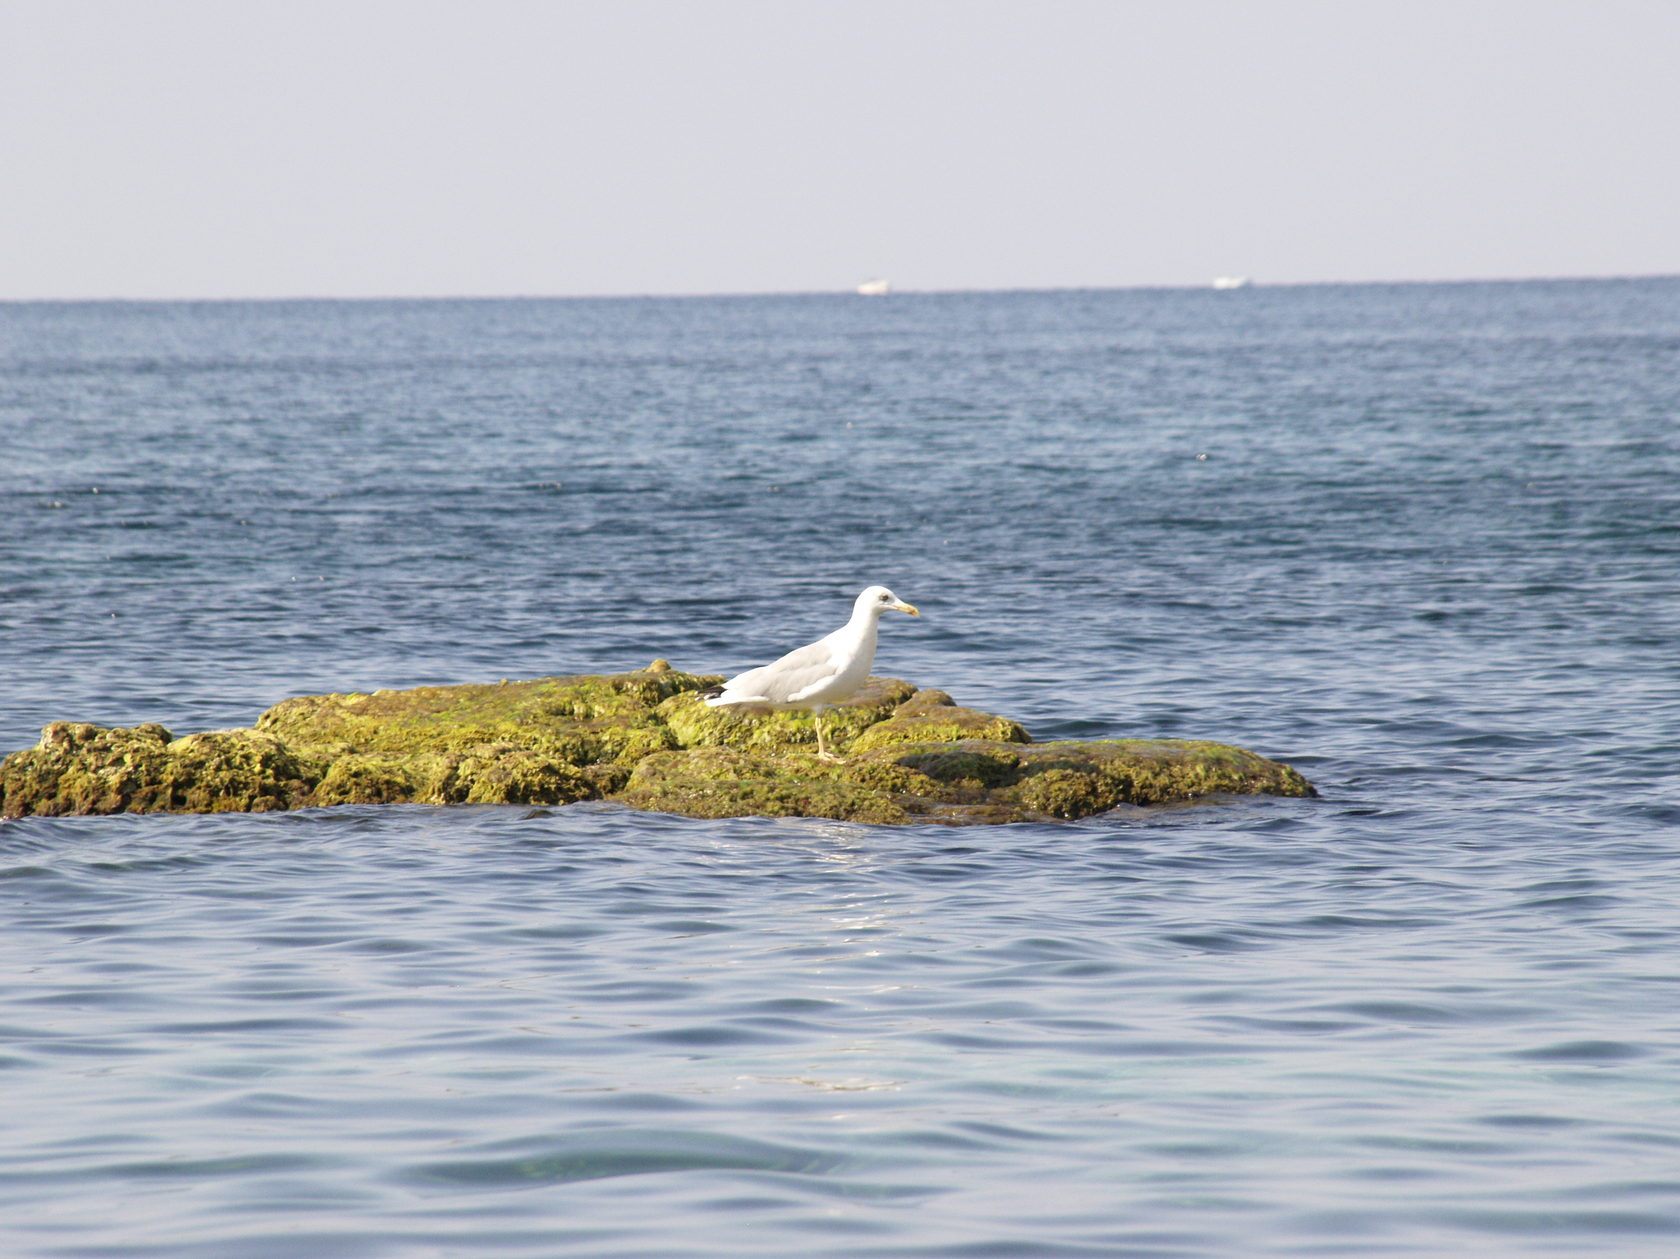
(1421,542)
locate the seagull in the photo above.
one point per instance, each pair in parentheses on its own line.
(819,675)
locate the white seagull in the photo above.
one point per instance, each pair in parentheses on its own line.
(822,674)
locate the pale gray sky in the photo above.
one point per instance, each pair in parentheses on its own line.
(225,148)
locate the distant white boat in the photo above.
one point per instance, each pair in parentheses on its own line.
(1231,281)
(875,288)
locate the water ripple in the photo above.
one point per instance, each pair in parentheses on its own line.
(1428,559)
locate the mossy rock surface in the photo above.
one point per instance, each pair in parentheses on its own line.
(581,720)
(236,771)
(934,717)
(758,727)
(972,780)
(719,781)
(1057,778)
(645,739)
(371,778)
(80,768)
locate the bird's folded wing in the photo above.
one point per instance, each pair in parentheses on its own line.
(788,680)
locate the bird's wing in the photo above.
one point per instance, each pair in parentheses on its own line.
(784,681)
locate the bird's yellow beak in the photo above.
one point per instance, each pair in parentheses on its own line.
(905,607)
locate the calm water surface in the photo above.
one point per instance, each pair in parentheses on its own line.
(1422,542)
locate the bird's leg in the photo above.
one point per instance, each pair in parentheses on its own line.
(823,754)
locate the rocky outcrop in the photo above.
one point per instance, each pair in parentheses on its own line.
(643,739)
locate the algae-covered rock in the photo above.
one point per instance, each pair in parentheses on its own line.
(235,771)
(374,778)
(578,720)
(80,768)
(967,781)
(547,741)
(505,774)
(644,739)
(725,782)
(1076,779)
(488,773)
(759,727)
(934,717)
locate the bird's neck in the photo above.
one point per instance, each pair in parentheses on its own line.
(861,628)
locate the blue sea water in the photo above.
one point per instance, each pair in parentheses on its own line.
(1422,542)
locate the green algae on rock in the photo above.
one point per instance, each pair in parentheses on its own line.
(963,781)
(759,727)
(80,768)
(720,781)
(934,717)
(643,739)
(576,720)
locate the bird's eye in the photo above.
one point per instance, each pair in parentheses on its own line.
(882,599)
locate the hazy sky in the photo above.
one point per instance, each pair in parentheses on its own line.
(164,148)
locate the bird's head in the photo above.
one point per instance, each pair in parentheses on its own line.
(879,599)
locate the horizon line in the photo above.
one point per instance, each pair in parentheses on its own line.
(1249,283)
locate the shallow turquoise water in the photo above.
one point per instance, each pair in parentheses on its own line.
(1419,541)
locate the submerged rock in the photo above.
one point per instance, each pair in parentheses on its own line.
(643,739)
